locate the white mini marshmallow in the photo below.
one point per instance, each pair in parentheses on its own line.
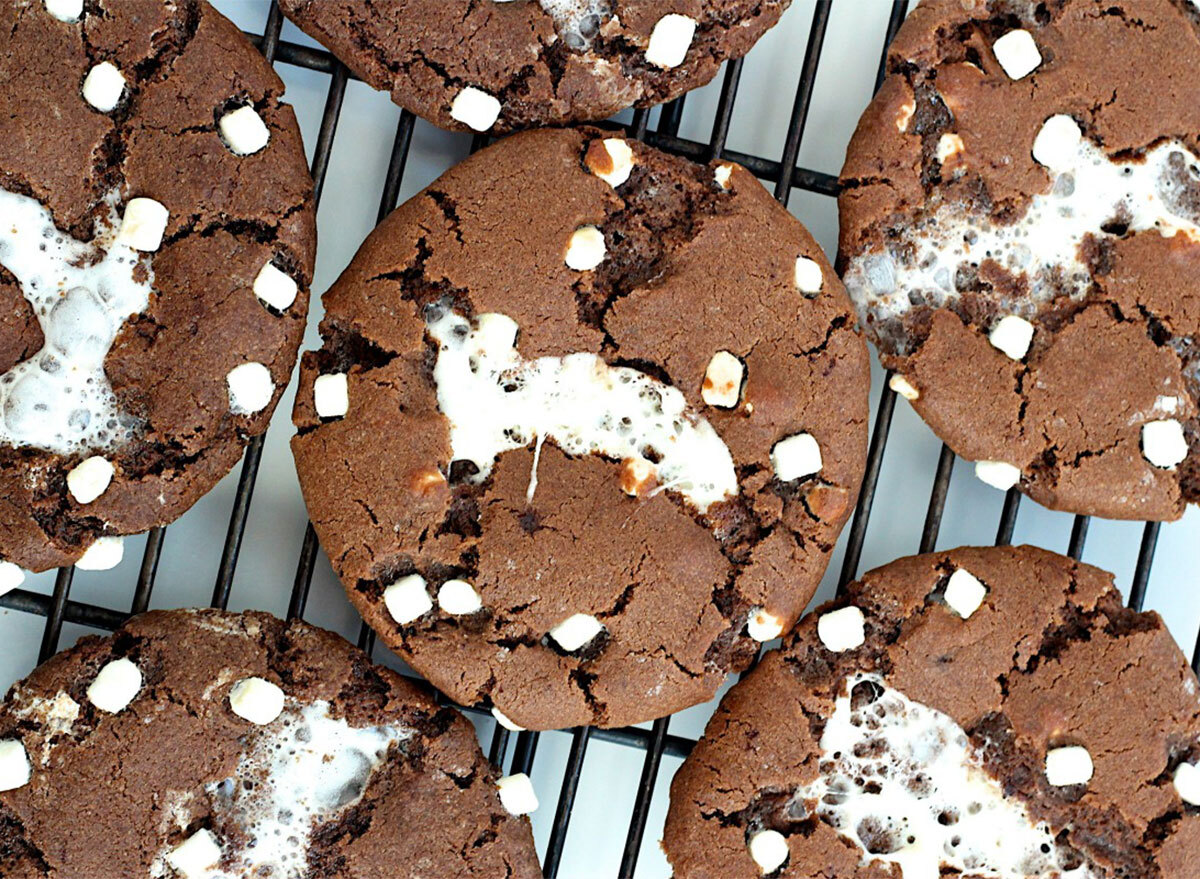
(516,794)
(90,478)
(15,770)
(506,722)
(407,599)
(722,381)
(763,626)
(196,857)
(1057,143)
(797,456)
(964,593)
(475,108)
(117,684)
(1069,765)
(250,388)
(143,224)
(1017,53)
(1167,404)
(1012,335)
(103,87)
(459,597)
(1163,443)
(1187,783)
(769,849)
(243,131)
(903,387)
(722,175)
(575,631)
(331,395)
(104,554)
(904,115)
(949,145)
(843,629)
(65,10)
(586,249)
(11,576)
(809,277)
(621,157)
(275,288)
(496,331)
(998,474)
(670,40)
(258,701)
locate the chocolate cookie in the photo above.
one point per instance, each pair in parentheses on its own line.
(1019,233)
(156,250)
(492,65)
(982,712)
(209,744)
(586,424)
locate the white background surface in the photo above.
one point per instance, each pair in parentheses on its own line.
(347,213)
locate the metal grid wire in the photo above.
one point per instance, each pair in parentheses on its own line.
(516,753)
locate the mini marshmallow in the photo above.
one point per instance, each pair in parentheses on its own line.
(143,225)
(475,108)
(670,40)
(104,553)
(65,10)
(11,576)
(903,387)
(504,720)
(407,599)
(964,593)
(998,474)
(331,395)
(722,175)
(769,849)
(763,626)
(621,162)
(637,474)
(1069,765)
(197,856)
(1017,53)
(496,331)
(575,631)
(949,145)
(243,131)
(15,770)
(843,629)
(795,457)
(117,684)
(586,249)
(1163,443)
(1187,783)
(459,597)
(516,794)
(103,87)
(90,478)
(275,288)
(250,388)
(1057,143)
(256,700)
(1167,404)
(1012,335)
(904,115)
(809,277)
(722,381)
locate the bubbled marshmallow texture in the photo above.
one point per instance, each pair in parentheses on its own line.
(578,21)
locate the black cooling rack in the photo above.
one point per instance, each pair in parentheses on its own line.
(516,753)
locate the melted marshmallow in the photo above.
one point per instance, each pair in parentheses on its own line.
(901,780)
(578,21)
(496,400)
(82,292)
(1091,190)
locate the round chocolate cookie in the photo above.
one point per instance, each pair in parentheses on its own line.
(155,254)
(494,65)
(989,712)
(200,743)
(586,424)
(1019,232)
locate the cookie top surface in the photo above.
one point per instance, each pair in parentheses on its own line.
(950,701)
(493,65)
(579,527)
(1019,234)
(204,743)
(154,266)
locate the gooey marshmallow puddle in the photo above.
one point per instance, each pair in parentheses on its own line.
(578,21)
(1090,191)
(901,780)
(82,292)
(496,401)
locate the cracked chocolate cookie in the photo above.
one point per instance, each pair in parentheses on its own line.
(200,744)
(586,423)
(155,254)
(989,712)
(492,65)
(1019,234)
